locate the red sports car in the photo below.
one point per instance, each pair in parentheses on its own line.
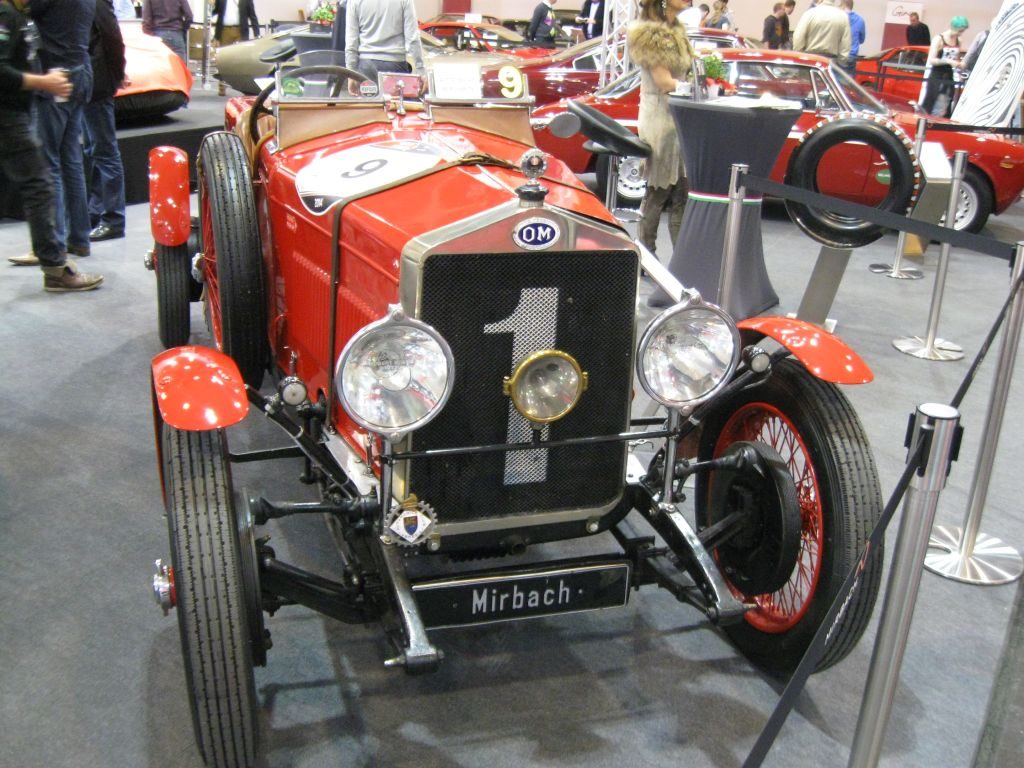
(895,72)
(571,72)
(158,81)
(489,38)
(993,180)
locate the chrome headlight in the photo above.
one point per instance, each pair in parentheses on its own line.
(687,354)
(395,375)
(546,385)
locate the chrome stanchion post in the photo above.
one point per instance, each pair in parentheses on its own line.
(895,270)
(940,422)
(731,242)
(965,554)
(205,80)
(932,348)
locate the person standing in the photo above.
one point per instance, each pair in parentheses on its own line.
(592,18)
(106,180)
(824,30)
(692,16)
(64,28)
(234,18)
(774,33)
(169,20)
(380,35)
(918,32)
(659,46)
(944,56)
(542,27)
(858,30)
(21,155)
(787,41)
(719,16)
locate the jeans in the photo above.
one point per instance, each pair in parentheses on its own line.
(106,180)
(175,40)
(23,162)
(60,128)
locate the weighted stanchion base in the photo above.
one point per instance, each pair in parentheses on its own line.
(902,273)
(941,350)
(993,561)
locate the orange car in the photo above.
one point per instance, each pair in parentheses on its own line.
(157,80)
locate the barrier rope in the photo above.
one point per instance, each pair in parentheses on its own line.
(888,219)
(816,648)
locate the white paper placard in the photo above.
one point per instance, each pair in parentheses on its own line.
(457,80)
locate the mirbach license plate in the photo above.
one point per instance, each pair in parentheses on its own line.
(509,595)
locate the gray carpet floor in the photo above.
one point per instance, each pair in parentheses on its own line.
(90,671)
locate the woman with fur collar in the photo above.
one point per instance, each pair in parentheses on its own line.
(659,46)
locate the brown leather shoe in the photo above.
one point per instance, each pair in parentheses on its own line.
(27,260)
(67,279)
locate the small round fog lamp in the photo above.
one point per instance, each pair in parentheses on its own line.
(546,385)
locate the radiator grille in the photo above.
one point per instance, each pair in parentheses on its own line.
(494,309)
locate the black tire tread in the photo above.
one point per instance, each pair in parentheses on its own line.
(826,419)
(228,184)
(217,656)
(173,291)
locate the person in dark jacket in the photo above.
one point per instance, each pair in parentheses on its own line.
(21,156)
(918,32)
(169,20)
(591,18)
(106,180)
(542,29)
(234,19)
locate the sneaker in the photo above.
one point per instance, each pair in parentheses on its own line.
(67,279)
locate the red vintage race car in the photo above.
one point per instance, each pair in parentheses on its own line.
(443,325)
(575,71)
(993,180)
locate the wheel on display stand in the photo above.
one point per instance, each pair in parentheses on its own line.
(813,428)
(631,187)
(232,256)
(212,593)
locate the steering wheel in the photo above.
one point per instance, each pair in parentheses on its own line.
(259,107)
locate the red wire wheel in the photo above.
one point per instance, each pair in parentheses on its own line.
(813,428)
(783,609)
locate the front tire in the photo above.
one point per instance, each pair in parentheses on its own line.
(232,255)
(817,433)
(631,187)
(208,580)
(173,294)
(975,204)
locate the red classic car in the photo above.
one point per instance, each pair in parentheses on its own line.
(490,38)
(894,72)
(993,180)
(575,71)
(448,324)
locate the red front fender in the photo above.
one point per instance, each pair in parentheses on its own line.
(198,389)
(824,355)
(169,217)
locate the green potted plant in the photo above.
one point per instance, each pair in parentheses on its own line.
(715,75)
(323,14)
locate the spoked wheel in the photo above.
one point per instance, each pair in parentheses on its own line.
(232,257)
(210,589)
(173,293)
(631,187)
(816,433)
